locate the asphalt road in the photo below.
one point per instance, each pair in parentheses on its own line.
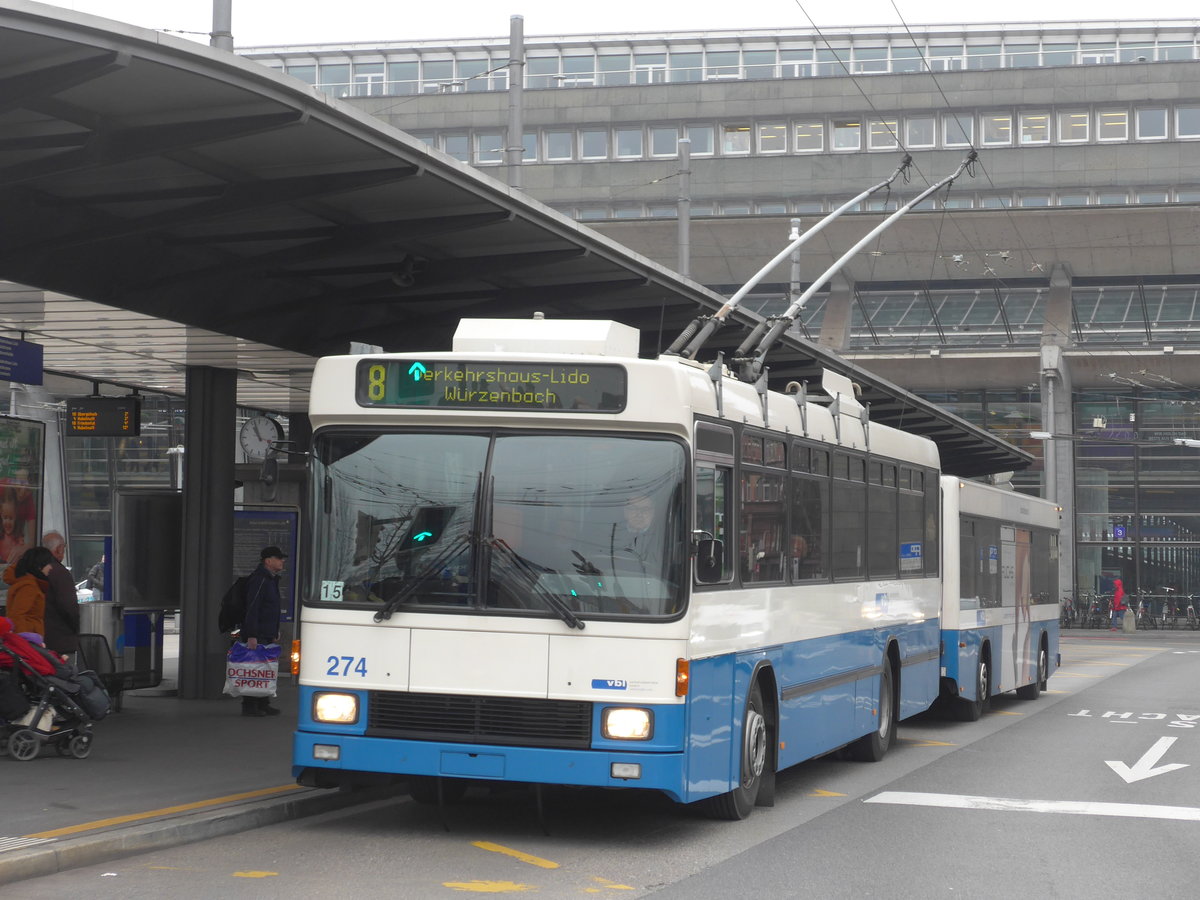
(1093,790)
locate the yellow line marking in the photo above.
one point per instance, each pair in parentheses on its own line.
(1052,691)
(1061,674)
(820,793)
(489,887)
(1006,712)
(611,885)
(1089,662)
(165,811)
(516,854)
(928,743)
(254,874)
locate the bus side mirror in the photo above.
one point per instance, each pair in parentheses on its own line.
(710,560)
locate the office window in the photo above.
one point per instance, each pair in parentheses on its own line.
(629,143)
(592,213)
(1072,199)
(368,80)
(593,143)
(1035,128)
(1175,51)
(795,63)
(984,56)
(615,69)
(995,202)
(1058,54)
(529,144)
(772,137)
(772,208)
(578,71)
(1112,125)
(558,144)
(489,148)
(735,208)
(403,77)
(907,59)
(539,72)
(1028,200)
(1151,124)
(663,211)
(723,64)
(919,131)
(1187,121)
(735,139)
(627,212)
(1073,126)
(437,75)
(335,79)
(702,138)
(808,137)
(868,60)
(847,134)
(1020,56)
(307,74)
(1112,198)
(687,67)
(945,58)
(1152,197)
(458,146)
(996,129)
(883,134)
(1097,54)
(471,72)
(958,129)
(759,63)
(664,141)
(833,62)
(649,68)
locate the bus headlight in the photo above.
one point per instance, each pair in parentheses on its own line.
(337,709)
(624,724)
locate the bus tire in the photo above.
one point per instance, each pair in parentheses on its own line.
(1031,691)
(970,710)
(874,746)
(424,789)
(739,803)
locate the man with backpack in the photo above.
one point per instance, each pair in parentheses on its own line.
(260,624)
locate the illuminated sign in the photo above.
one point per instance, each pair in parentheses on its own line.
(104,417)
(468,384)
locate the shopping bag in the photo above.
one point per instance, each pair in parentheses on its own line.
(252,672)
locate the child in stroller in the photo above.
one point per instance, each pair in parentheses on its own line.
(43,700)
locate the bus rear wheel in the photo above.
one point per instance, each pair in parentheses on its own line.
(739,803)
(1031,691)
(970,710)
(874,746)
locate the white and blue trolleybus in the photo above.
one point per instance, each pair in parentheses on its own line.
(538,558)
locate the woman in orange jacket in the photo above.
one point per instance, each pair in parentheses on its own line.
(27,586)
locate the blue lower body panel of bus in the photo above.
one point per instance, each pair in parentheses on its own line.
(329,755)
(1011,650)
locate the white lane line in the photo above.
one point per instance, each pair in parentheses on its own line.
(1069,807)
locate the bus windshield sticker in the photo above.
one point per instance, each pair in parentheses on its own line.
(465,384)
(331,591)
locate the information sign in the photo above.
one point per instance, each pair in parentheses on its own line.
(104,417)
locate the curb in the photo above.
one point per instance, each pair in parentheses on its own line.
(56,856)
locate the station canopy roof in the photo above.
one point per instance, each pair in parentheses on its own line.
(169,205)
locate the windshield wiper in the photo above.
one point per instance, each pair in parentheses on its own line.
(528,578)
(453,550)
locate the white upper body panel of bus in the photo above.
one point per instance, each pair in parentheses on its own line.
(664,395)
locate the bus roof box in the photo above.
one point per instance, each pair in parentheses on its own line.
(592,337)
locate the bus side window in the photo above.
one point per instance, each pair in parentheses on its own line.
(713,500)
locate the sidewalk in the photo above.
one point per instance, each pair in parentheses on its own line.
(162,772)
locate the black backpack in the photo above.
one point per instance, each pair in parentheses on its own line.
(233,606)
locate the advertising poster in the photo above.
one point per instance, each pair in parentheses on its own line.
(22,452)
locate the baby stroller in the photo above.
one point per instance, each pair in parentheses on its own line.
(43,700)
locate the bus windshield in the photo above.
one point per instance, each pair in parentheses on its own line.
(544,524)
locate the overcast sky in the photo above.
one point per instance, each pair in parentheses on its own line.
(273,22)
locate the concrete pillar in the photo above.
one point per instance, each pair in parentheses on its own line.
(207,561)
(1058,418)
(839,315)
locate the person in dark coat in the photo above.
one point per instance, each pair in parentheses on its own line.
(62,603)
(261,622)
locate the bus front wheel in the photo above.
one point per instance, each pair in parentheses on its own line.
(872,747)
(739,803)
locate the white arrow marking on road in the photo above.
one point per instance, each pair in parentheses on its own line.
(1144,767)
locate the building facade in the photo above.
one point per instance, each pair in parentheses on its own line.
(1053,288)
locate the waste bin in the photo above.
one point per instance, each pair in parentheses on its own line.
(101,617)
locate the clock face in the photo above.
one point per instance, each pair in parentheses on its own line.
(258,434)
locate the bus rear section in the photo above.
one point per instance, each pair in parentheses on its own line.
(1000,609)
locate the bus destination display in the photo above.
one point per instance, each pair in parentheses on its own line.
(468,384)
(104,417)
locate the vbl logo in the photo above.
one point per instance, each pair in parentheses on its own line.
(609,684)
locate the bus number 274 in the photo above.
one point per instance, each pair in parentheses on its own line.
(346,665)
